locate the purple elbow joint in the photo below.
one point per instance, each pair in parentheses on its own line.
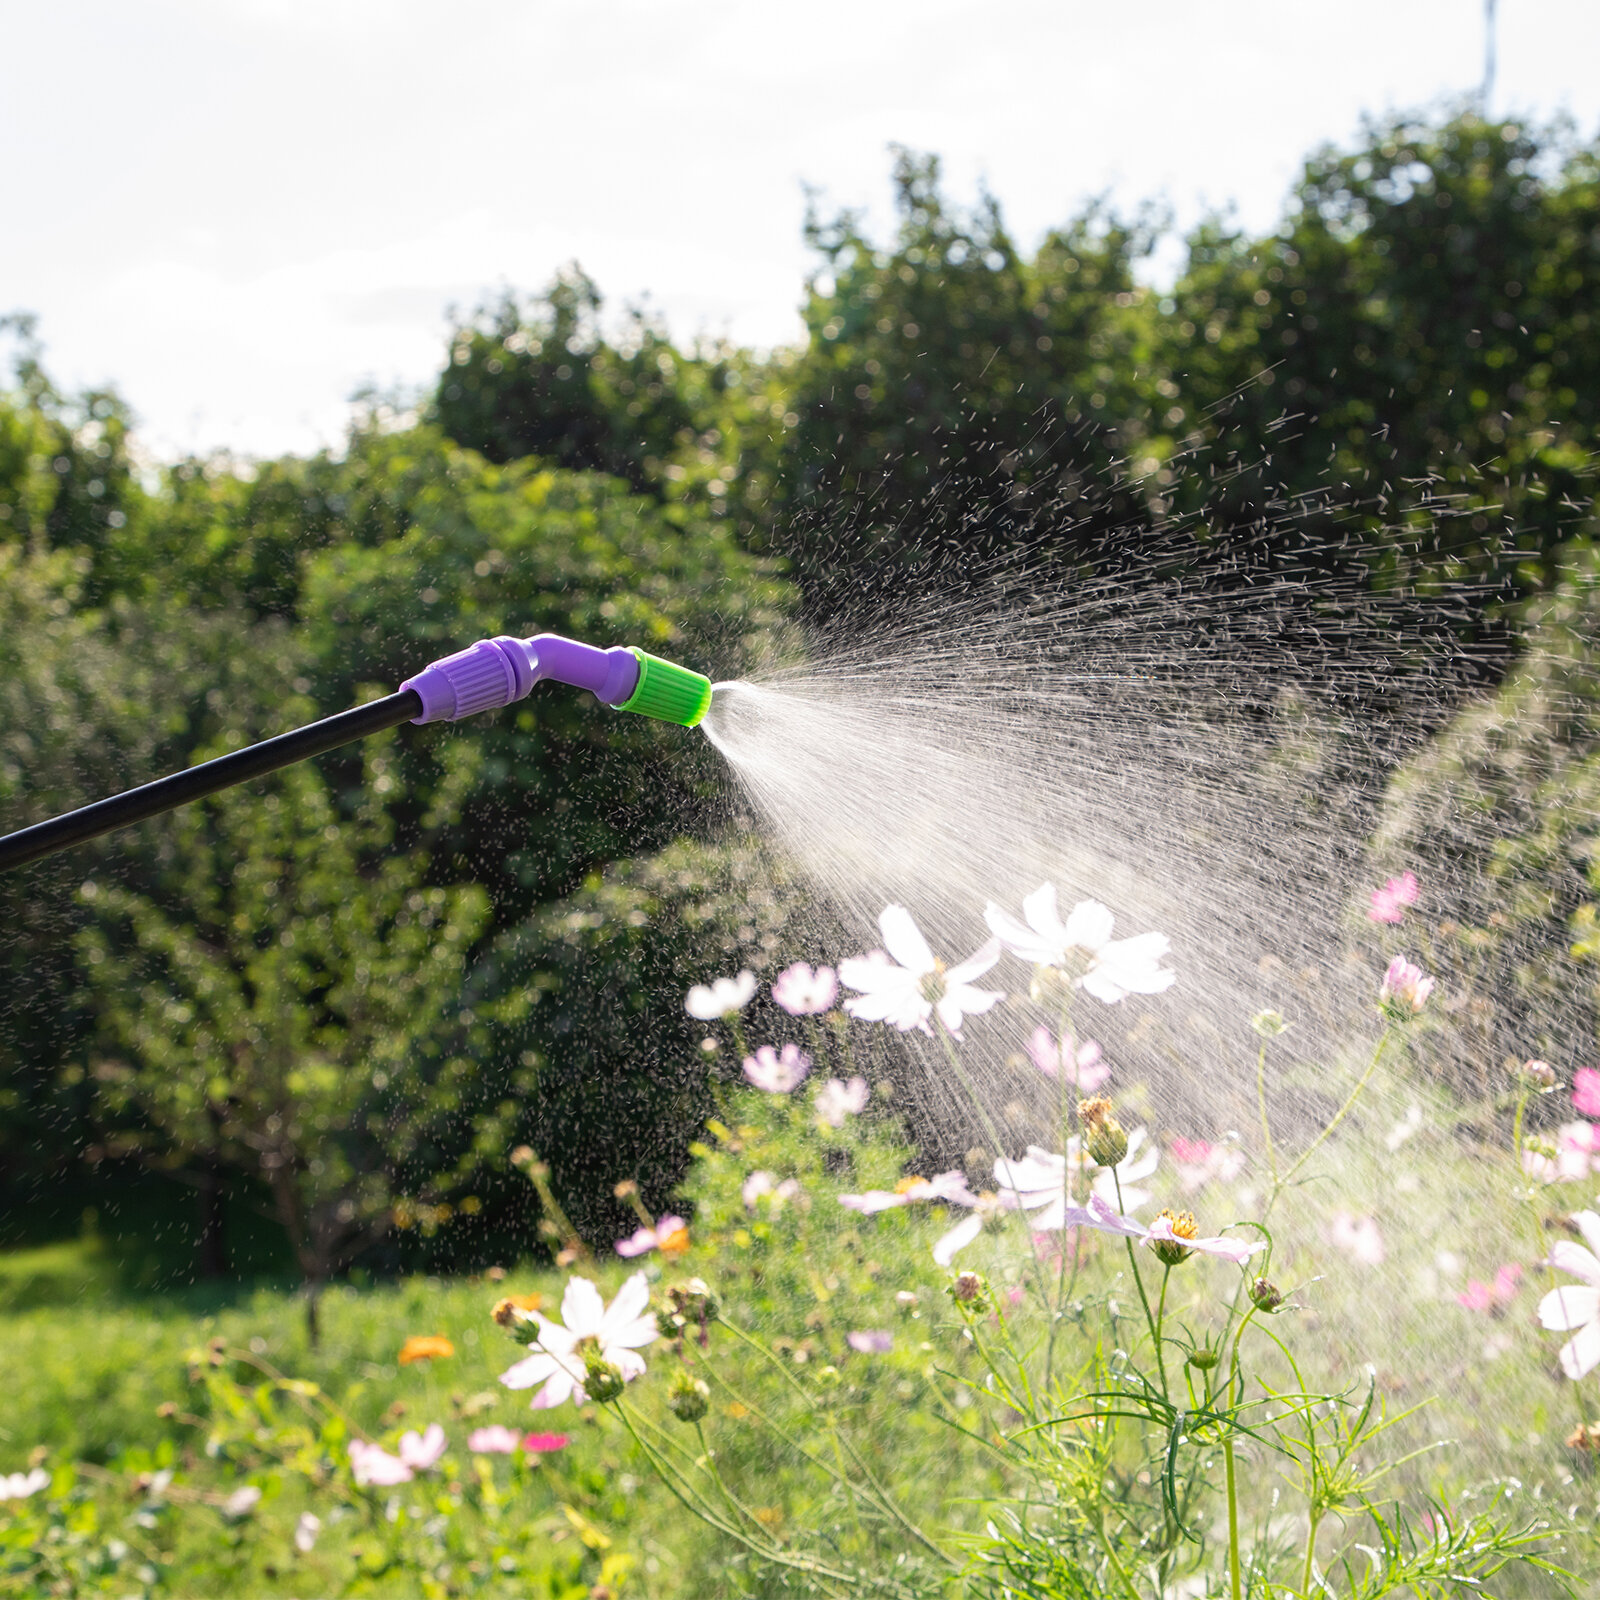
(496,672)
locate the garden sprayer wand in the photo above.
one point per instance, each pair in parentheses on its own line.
(488,674)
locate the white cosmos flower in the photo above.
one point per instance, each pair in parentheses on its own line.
(907,995)
(1039,1181)
(616,1333)
(984,1208)
(722,998)
(836,1100)
(1115,968)
(19,1485)
(1574,1309)
(950,1186)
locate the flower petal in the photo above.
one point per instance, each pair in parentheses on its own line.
(624,1313)
(958,1238)
(582,1309)
(1089,925)
(1569,1307)
(1580,1355)
(530,1371)
(973,967)
(1566,1256)
(1040,913)
(1589,1227)
(1019,939)
(903,940)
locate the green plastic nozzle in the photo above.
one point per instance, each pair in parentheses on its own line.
(668,692)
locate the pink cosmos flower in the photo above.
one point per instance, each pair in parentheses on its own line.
(1390,902)
(1084,1066)
(803,992)
(543,1444)
(907,995)
(949,1186)
(1199,1162)
(373,1467)
(767,1184)
(1573,1309)
(1586,1091)
(777,1071)
(870,1341)
(1359,1237)
(836,1100)
(1577,1154)
(420,1451)
(495,1440)
(616,1333)
(670,1236)
(1110,969)
(1492,1297)
(1405,989)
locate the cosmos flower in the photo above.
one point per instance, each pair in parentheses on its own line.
(374,1468)
(670,1236)
(242,1501)
(613,1334)
(495,1440)
(1039,1182)
(1359,1237)
(1082,946)
(1492,1297)
(20,1485)
(425,1347)
(1574,1309)
(836,1100)
(1405,990)
(907,995)
(1586,1091)
(306,1531)
(544,1444)
(767,1184)
(722,998)
(1390,902)
(1084,1066)
(870,1341)
(1575,1154)
(420,1451)
(951,1186)
(777,1071)
(1176,1233)
(803,992)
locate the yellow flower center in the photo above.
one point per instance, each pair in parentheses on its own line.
(1183,1225)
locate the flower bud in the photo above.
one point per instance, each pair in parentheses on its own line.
(693,1300)
(969,1291)
(522,1156)
(625,1190)
(689,1396)
(1538,1075)
(602,1380)
(1269,1024)
(1265,1296)
(1106,1143)
(1203,1360)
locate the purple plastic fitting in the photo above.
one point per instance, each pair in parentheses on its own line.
(495,672)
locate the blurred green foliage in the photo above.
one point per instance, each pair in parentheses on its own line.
(1394,390)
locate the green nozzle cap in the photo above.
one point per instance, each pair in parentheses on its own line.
(668,692)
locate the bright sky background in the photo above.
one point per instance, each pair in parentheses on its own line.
(237,211)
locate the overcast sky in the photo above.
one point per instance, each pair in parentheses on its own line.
(238,211)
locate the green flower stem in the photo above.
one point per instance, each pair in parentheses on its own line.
(1068,1113)
(1144,1299)
(1279,1184)
(1111,1557)
(1235,1576)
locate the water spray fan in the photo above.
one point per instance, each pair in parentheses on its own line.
(484,676)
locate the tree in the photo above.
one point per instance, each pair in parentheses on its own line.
(285,1004)
(957,400)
